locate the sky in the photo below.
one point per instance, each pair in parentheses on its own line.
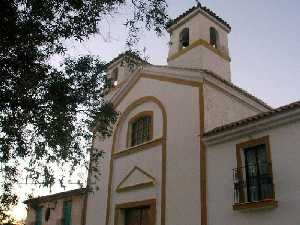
(264,45)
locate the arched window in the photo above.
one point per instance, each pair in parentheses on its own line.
(184,38)
(214,37)
(140,128)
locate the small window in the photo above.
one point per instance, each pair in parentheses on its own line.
(253,179)
(114,76)
(184,38)
(214,37)
(140,129)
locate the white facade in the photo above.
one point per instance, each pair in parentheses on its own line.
(172,158)
(180,175)
(54,204)
(283,134)
(201,55)
(169,172)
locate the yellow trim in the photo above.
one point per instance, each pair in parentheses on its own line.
(151,203)
(160,78)
(138,148)
(172,80)
(199,42)
(132,120)
(203,174)
(164,152)
(251,143)
(135,187)
(270,203)
(119,188)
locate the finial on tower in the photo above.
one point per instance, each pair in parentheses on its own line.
(198,3)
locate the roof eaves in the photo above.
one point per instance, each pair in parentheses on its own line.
(74,192)
(128,54)
(204,9)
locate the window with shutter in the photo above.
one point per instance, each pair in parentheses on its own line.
(39,216)
(67,213)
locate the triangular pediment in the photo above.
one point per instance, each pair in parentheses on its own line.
(135,179)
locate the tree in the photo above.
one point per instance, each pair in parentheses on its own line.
(44,110)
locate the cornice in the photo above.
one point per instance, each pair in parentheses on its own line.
(253,128)
(192,77)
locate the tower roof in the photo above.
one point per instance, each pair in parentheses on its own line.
(130,55)
(193,9)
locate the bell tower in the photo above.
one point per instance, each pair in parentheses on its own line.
(199,39)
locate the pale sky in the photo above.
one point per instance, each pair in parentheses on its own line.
(264,45)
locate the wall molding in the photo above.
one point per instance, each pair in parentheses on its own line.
(136,186)
(199,42)
(138,148)
(126,112)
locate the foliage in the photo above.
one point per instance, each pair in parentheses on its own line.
(45,111)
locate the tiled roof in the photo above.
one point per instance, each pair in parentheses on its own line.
(252,119)
(79,191)
(129,54)
(205,9)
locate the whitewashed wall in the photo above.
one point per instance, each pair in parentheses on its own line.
(183,154)
(222,108)
(56,213)
(201,57)
(285,154)
(199,29)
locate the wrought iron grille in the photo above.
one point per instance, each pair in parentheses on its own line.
(253,183)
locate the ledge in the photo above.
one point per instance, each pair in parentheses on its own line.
(270,203)
(199,42)
(138,148)
(135,187)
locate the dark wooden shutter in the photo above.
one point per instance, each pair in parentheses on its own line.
(67,210)
(39,216)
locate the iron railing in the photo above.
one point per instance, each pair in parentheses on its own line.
(253,183)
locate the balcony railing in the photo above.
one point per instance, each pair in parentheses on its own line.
(253,183)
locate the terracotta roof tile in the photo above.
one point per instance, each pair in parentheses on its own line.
(252,119)
(129,54)
(78,191)
(205,9)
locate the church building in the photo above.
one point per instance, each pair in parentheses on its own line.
(190,147)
